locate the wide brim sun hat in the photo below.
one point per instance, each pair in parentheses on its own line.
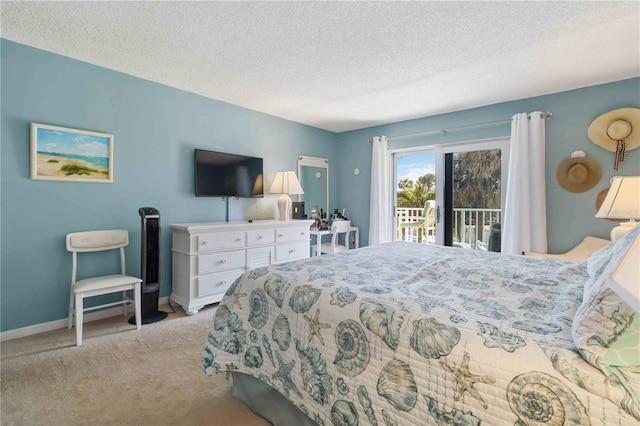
(616,131)
(578,173)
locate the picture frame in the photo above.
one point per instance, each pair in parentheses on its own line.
(62,153)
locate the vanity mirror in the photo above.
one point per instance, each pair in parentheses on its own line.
(313,173)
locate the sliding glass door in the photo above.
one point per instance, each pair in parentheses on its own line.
(462,187)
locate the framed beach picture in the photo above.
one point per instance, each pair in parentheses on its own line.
(60,153)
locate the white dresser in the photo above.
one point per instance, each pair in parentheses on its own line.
(208,257)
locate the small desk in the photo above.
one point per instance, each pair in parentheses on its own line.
(319,235)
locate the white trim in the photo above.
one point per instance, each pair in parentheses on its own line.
(62,323)
(411,149)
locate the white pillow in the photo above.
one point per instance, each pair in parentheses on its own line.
(603,317)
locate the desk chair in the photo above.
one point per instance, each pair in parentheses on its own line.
(426,222)
(338,227)
(93,241)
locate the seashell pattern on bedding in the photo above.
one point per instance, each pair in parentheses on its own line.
(397,384)
(353,348)
(259,308)
(281,333)
(403,334)
(432,339)
(538,398)
(382,320)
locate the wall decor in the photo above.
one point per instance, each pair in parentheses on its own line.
(617,131)
(578,173)
(60,153)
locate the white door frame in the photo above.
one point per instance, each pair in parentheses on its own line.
(502,143)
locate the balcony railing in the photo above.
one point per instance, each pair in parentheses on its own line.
(471,227)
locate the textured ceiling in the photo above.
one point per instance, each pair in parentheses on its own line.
(344,65)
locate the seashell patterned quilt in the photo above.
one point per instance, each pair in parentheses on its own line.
(407,334)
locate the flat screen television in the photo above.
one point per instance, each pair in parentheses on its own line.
(219,174)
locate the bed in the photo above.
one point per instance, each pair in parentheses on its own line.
(408,334)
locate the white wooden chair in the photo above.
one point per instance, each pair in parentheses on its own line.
(338,227)
(93,241)
(425,224)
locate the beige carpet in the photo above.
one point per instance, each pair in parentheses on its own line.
(119,376)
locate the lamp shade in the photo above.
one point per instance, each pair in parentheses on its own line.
(625,280)
(623,199)
(286,183)
(257,186)
(622,202)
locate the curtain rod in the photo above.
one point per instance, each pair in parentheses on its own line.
(546,115)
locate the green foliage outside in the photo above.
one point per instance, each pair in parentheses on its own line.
(412,194)
(476,183)
(476,179)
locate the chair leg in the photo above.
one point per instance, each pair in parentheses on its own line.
(137,298)
(124,305)
(70,321)
(79,319)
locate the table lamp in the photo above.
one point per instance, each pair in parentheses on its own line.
(622,202)
(285,183)
(625,280)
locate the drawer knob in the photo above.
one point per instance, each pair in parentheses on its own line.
(223,261)
(238,239)
(204,243)
(292,251)
(279,235)
(302,233)
(223,282)
(259,237)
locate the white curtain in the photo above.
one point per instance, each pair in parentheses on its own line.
(524,223)
(380,209)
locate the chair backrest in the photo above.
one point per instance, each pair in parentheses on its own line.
(430,212)
(91,241)
(339,227)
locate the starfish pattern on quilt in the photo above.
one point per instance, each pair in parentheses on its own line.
(236,299)
(315,326)
(284,375)
(465,380)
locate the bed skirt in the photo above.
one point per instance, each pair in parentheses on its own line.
(267,402)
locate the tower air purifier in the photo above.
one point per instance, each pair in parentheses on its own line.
(150,266)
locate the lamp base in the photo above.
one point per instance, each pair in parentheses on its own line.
(619,231)
(284,207)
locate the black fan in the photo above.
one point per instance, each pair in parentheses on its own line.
(150,266)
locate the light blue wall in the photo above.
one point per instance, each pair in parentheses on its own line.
(569,216)
(156,129)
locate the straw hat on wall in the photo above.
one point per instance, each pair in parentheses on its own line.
(578,173)
(617,131)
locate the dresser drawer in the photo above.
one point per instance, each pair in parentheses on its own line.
(260,237)
(216,283)
(215,262)
(292,251)
(293,234)
(220,240)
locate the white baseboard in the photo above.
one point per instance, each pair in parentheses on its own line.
(62,323)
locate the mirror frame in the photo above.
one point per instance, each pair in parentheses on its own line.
(323,163)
